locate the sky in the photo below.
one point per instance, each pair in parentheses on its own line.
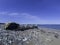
(30,11)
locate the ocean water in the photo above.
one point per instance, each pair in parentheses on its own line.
(52,26)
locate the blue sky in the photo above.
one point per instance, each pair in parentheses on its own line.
(30,11)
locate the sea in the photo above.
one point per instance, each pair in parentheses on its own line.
(52,26)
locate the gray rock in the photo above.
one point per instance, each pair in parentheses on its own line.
(29,37)
(11,26)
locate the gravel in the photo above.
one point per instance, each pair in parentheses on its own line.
(27,37)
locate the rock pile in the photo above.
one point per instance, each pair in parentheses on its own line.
(29,37)
(19,27)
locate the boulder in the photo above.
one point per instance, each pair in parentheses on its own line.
(11,26)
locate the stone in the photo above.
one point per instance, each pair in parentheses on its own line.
(11,26)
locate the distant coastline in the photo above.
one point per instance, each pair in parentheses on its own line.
(52,26)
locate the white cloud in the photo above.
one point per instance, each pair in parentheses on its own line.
(26,18)
(24,15)
(13,14)
(29,16)
(3,13)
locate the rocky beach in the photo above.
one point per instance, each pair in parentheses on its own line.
(40,36)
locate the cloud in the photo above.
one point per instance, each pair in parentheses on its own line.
(25,18)
(13,14)
(3,13)
(29,16)
(22,17)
